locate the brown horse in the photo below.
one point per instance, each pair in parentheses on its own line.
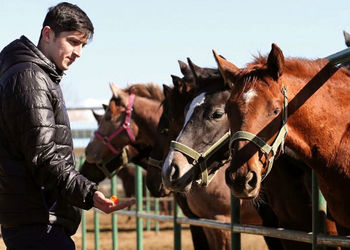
(169,122)
(318,125)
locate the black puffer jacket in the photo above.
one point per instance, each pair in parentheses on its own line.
(38,182)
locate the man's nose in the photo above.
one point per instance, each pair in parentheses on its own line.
(78,50)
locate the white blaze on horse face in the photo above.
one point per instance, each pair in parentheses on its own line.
(197,101)
(249,95)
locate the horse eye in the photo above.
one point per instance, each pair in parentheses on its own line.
(276,111)
(164,131)
(217,114)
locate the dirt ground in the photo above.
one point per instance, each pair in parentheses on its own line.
(163,240)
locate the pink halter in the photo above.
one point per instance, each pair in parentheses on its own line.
(126,126)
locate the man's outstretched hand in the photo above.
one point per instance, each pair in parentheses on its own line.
(108,206)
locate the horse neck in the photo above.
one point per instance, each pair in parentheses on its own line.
(146,114)
(318,122)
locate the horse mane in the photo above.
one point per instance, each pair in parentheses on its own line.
(147,90)
(305,68)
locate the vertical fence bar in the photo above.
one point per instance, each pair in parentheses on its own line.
(156,209)
(97,230)
(315,222)
(177,227)
(322,207)
(83,230)
(78,165)
(139,202)
(319,211)
(114,215)
(235,218)
(148,209)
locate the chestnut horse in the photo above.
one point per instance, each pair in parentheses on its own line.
(307,98)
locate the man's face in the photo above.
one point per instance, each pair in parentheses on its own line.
(65,48)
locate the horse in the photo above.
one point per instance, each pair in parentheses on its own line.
(173,97)
(296,104)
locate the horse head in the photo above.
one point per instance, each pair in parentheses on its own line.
(257,111)
(205,122)
(130,117)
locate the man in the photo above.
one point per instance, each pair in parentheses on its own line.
(40,191)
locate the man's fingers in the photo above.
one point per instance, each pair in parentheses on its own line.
(122,205)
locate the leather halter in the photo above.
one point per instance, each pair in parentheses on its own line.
(126,126)
(105,170)
(202,158)
(263,146)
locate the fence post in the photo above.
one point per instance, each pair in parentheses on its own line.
(83,212)
(148,210)
(97,230)
(114,215)
(235,218)
(139,203)
(83,230)
(319,211)
(156,208)
(177,227)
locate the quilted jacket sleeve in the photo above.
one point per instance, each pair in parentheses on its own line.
(32,126)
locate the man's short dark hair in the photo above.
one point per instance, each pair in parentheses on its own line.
(68,17)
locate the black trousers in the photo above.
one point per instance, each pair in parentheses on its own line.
(39,237)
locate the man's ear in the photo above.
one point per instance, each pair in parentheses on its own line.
(47,34)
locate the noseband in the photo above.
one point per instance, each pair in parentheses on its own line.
(202,158)
(106,172)
(126,126)
(263,146)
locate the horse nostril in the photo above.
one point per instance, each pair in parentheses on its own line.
(252,179)
(175,171)
(230,177)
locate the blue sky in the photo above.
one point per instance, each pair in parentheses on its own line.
(141,41)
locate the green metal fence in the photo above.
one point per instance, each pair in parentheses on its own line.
(316,238)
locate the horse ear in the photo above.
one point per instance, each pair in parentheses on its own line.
(347,38)
(97,116)
(177,82)
(185,70)
(194,68)
(104,107)
(166,91)
(227,69)
(114,89)
(275,61)
(118,93)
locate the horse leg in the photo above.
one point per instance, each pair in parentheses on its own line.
(198,238)
(218,239)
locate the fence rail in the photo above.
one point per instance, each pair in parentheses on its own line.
(235,228)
